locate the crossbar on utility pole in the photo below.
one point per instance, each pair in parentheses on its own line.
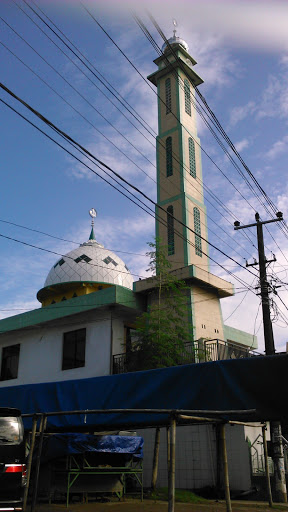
(275,426)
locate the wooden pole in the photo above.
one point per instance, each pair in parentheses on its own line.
(225,468)
(155,459)
(171,487)
(29,461)
(267,467)
(38,461)
(168,451)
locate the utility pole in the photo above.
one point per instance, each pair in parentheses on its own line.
(275,426)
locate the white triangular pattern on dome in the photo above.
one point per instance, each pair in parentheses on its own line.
(96,270)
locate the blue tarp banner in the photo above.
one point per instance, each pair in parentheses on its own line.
(61,445)
(254,383)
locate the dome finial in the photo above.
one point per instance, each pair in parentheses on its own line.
(92,214)
(175,24)
(174,41)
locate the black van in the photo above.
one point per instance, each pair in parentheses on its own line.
(12,459)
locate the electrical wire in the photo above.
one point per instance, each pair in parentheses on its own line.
(212,195)
(69,139)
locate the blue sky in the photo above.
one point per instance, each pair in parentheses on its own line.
(242,53)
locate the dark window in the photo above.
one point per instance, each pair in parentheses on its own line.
(170,230)
(10,361)
(187,97)
(83,257)
(168,95)
(197,229)
(74,349)
(110,260)
(192,163)
(169,164)
(60,263)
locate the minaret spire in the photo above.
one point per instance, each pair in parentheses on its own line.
(93,215)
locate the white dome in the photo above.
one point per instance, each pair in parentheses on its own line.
(175,40)
(90,262)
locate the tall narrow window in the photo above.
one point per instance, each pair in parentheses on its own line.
(192,162)
(168,95)
(169,163)
(74,349)
(10,361)
(170,230)
(197,229)
(187,97)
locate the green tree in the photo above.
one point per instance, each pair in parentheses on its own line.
(164,330)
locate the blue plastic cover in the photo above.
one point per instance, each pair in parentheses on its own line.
(254,383)
(61,445)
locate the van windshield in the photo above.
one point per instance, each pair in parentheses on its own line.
(10,430)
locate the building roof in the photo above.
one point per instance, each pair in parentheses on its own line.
(90,262)
(115,295)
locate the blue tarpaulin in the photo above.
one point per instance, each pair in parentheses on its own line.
(254,383)
(61,445)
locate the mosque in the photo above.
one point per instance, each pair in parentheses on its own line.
(89,300)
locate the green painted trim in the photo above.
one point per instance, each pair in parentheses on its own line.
(158,170)
(240,337)
(157,228)
(113,295)
(184,201)
(168,132)
(159,106)
(171,199)
(192,313)
(199,203)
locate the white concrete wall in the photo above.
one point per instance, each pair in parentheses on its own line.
(40,357)
(196,465)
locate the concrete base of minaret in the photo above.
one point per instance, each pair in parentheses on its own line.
(204,291)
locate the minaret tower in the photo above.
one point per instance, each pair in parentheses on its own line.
(179,172)
(181,221)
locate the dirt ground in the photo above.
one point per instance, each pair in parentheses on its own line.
(150,506)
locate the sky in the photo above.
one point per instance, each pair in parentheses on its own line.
(241,49)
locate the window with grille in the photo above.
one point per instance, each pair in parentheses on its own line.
(170,230)
(192,161)
(10,362)
(187,97)
(74,349)
(197,229)
(168,95)
(169,163)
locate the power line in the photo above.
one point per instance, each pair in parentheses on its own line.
(70,140)
(224,241)
(208,156)
(226,137)
(210,193)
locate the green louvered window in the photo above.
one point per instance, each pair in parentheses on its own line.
(169,163)
(197,229)
(192,162)
(170,230)
(168,95)
(187,97)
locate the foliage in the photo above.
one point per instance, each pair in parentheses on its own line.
(181,496)
(164,330)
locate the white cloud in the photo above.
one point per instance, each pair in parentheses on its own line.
(238,114)
(242,144)
(261,25)
(274,101)
(279,147)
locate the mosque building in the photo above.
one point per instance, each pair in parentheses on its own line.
(89,300)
